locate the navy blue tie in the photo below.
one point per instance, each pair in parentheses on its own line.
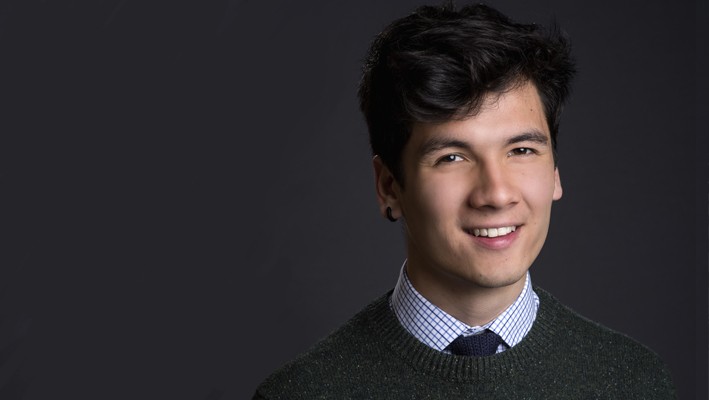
(482,344)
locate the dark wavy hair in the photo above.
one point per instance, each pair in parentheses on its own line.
(438,64)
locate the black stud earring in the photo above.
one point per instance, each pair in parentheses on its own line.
(389,216)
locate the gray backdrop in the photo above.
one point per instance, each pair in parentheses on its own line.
(186,197)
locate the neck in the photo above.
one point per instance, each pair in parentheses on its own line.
(466,301)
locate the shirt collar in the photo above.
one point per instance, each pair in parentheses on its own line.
(437,329)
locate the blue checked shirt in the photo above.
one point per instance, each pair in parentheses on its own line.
(437,329)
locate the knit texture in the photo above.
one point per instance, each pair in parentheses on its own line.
(564,356)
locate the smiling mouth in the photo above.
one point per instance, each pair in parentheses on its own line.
(493,232)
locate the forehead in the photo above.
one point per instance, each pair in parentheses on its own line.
(501,116)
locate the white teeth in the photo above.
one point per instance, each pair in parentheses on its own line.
(494,232)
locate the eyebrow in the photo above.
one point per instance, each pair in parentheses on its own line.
(433,145)
(531,136)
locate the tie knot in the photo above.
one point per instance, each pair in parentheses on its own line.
(482,344)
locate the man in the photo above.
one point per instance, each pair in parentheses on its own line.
(463,111)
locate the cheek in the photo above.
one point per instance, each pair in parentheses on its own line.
(539,184)
(540,196)
(442,196)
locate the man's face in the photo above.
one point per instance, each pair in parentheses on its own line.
(477,194)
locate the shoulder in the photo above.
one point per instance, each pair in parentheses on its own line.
(334,363)
(599,353)
(585,333)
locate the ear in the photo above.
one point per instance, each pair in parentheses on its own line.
(557,185)
(388,189)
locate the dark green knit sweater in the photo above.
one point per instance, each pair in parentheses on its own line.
(564,356)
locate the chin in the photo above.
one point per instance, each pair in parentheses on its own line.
(496,279)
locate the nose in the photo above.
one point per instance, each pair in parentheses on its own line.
(492,187)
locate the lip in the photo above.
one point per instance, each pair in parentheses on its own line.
(496,243)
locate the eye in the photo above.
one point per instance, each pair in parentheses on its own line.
(522,151)
(449,158)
